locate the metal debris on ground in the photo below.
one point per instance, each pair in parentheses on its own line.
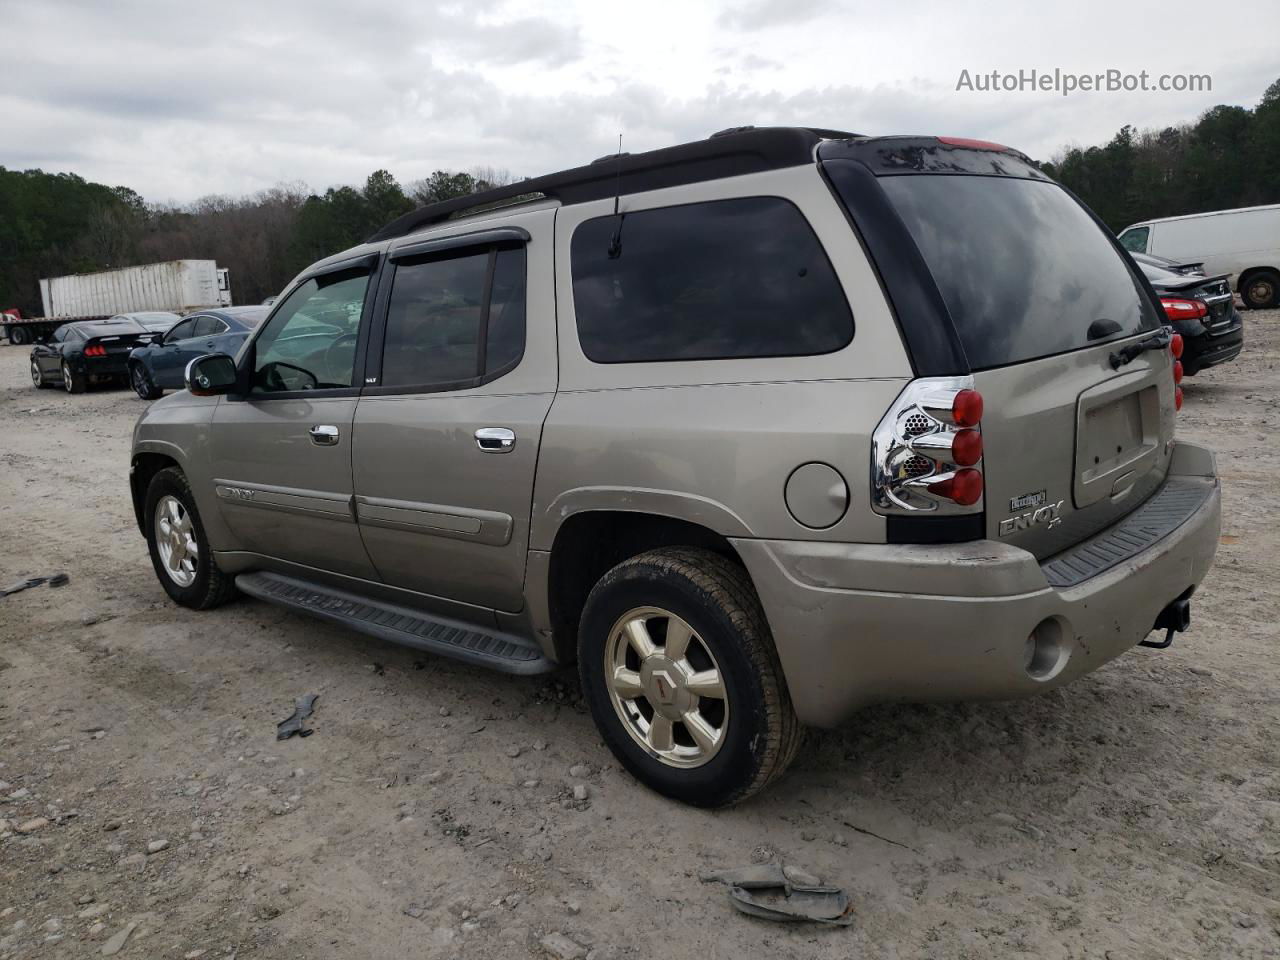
(787,894)
(293,725)
(56,580)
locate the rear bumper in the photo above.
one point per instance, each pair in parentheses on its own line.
(103,366)
(1213,346)
(857,624)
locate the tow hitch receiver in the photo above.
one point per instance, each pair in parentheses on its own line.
(1174,618)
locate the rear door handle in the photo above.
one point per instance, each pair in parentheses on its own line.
(324,435)
(495,439)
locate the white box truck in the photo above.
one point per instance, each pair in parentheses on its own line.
(177,286)
(1244,243)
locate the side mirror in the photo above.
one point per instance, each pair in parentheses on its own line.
(210,375)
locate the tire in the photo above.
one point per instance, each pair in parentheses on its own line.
(37,377)
(19,336)
(73,382)
(142,383)
(207,586)
(1262,291)
(757,732)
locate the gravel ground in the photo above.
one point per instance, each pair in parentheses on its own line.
(1133,814)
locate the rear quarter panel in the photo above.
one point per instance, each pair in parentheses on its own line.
(714,442)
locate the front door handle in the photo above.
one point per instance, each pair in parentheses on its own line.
(495,439)
(324,435)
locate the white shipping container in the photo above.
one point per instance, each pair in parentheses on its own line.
(179,286)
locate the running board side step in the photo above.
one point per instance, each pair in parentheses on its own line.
(411,628)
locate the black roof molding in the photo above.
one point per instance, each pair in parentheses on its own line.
(727,154)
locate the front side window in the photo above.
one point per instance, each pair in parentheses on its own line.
(1135,240)
(706,281)
(310,342)
(455,320)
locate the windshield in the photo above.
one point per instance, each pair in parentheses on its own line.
(1024,270)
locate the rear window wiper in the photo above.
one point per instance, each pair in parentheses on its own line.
(1129,352)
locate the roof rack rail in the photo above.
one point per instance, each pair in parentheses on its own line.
(733,152)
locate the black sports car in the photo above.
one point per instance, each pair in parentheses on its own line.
(89,351)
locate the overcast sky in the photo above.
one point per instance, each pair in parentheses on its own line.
(178,100)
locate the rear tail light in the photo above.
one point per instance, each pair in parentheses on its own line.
(95,350)
(927,450)
(1175,346)
(1176,308)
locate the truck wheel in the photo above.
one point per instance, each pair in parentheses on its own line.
(682,678)
(142,383)
(19,336)
(72,382)
(37,378)
(1262,290)
(180,550)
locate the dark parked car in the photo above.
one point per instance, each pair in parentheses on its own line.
(1203,310)
(155,321)
(89,351)
(159,366)
(1173,266)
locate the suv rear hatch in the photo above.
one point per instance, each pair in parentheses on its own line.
(1034,297)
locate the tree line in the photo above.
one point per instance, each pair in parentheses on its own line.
(58,223)
(53,224)
(1230,157)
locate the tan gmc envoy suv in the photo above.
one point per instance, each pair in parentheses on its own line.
(758,430)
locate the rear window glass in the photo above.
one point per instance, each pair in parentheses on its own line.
(1024,270)
(706,281)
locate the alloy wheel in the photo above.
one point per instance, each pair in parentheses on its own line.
(176,541)
(37,378)
(666,687)
(139,378)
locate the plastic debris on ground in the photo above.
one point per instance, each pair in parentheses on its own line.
(787,894)
(293,725)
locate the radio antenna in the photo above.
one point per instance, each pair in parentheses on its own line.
(615,243)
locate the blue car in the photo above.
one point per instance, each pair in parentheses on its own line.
(161,364)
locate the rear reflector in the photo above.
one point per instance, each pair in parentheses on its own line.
(971,144)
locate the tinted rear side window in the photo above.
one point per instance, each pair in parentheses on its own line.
(1024,270)
(706,281)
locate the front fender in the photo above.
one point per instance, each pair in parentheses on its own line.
(178,428)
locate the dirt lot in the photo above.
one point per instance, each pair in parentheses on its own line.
(1134,814)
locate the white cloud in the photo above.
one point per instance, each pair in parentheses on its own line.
(177,101)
